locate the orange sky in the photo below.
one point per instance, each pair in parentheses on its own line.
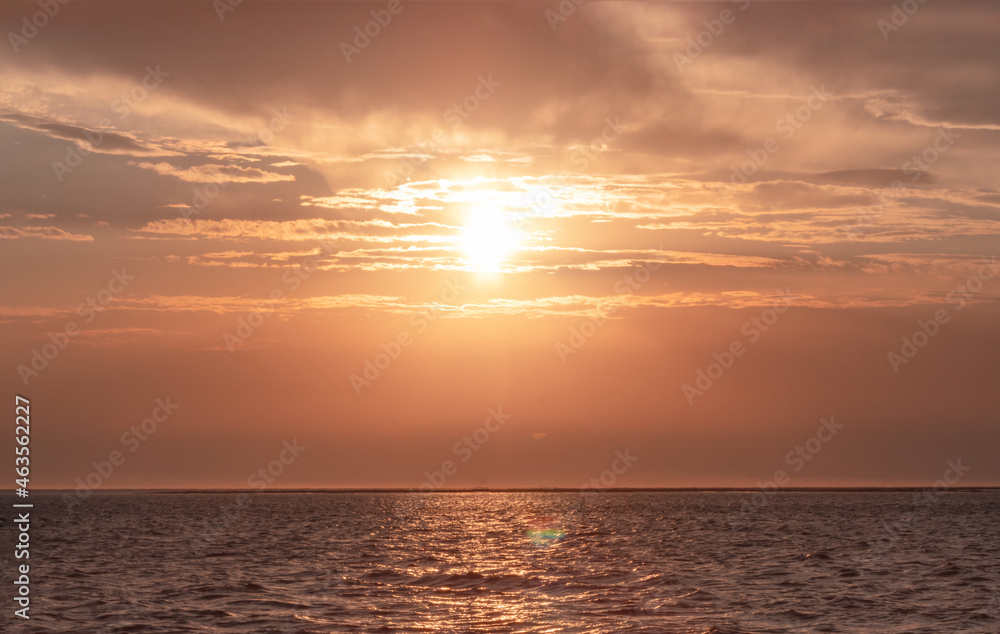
(686,230)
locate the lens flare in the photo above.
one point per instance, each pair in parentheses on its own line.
(545,531)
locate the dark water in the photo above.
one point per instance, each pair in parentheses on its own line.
(514,562)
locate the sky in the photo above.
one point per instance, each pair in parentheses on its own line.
(502,244)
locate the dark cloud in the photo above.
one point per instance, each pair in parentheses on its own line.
(939,65)
(874,178)
(233,65)
(100,140)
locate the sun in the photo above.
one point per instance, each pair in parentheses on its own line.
(488,238)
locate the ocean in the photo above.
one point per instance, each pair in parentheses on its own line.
(673,562)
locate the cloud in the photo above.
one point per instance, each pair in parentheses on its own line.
(577,306)
(315,229)
(94,139)
(212,173)
(43,233)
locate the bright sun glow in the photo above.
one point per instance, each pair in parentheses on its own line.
(488,237)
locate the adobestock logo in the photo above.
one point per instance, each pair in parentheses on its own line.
(923,502)
(265,476)
(363,36)
(796,458)
(210,191)
(437,141)
(541,200)
(373,367)
(753,329)
(465,447)
(131,440)
(622,462)
(917,166)
(608,477)
(123,106)
(566,9)
(29,28)
(60,340)
(291,280)
(704,39)
(928,329)
(787,125)
(901,14)
(229,514)
(579,335)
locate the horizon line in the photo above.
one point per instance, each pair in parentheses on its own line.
(801,489)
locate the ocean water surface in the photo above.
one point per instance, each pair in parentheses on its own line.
(673,562)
